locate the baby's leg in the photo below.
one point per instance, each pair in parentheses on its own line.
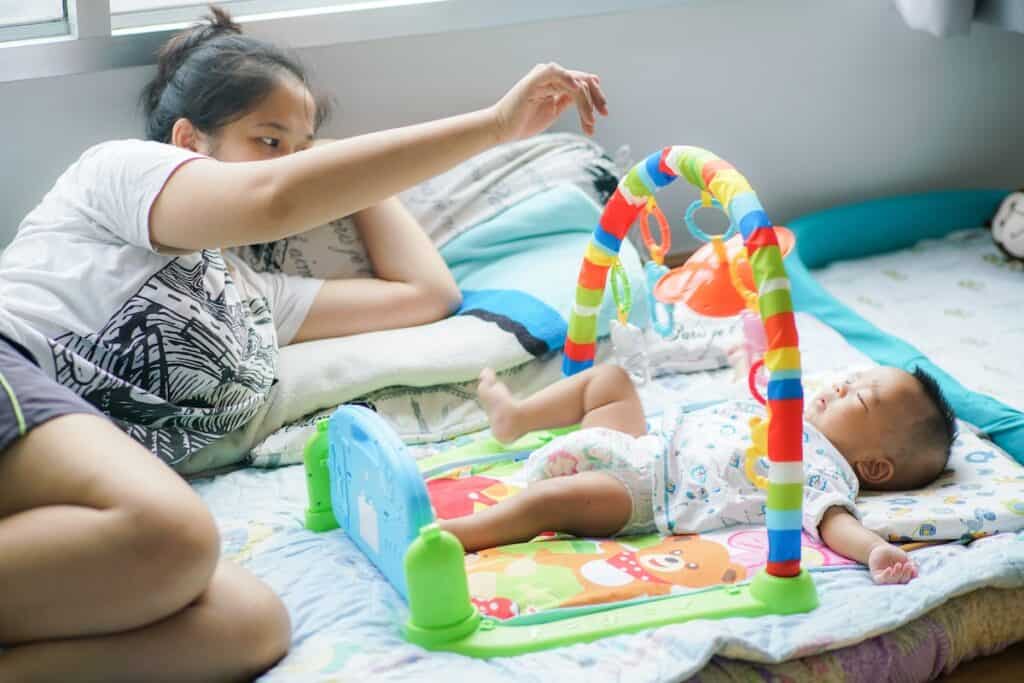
(584,504)
(109,567)
(602,396)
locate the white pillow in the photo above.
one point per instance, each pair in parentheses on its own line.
(981,492)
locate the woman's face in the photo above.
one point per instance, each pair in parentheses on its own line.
(280,124)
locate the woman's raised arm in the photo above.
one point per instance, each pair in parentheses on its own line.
(209,204)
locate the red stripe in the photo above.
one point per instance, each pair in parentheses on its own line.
(761,237)
(663,163)
(786,430)
(618,215)
(787,569)
(780,331)
(579,352)
(713,167)
(593,276)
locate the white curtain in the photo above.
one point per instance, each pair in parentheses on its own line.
(953,17)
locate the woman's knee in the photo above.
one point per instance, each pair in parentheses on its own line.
(173,541)
(269,630)
(253,621)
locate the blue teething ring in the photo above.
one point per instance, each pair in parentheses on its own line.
(691,224)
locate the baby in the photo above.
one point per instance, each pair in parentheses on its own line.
(883,429)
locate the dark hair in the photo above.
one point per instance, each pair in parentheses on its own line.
(211,75)
(929,438)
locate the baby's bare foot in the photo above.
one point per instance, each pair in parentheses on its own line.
(500,406)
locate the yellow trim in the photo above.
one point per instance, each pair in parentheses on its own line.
(598,256)
(22,427)
(785,358)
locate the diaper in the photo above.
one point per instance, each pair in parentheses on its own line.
(627,458)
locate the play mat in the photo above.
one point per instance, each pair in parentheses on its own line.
(966,602)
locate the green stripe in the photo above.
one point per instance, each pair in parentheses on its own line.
(589,297)
(693,168)
(766,263)
(22,428)
(635,186)
(785,496)
(778,301)
(583,328)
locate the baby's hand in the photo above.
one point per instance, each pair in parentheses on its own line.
(889,564)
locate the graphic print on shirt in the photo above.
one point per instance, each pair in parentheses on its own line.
(181,363)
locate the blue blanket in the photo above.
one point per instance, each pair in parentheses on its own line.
(518,270)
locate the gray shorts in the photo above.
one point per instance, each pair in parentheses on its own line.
(28,398)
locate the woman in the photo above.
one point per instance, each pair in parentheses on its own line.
(117,287)
(117,283)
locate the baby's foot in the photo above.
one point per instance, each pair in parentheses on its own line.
(500,407)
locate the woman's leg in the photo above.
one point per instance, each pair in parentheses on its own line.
(234,631)
(102,543)
(603,396)
(584,504)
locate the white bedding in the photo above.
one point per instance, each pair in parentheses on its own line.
(346,617)
(957,299)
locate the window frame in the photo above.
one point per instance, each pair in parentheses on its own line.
(92,44)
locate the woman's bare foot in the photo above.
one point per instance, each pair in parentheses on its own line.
(501,408)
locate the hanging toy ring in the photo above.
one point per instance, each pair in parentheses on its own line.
(657,251)
(695,230)
(752,381)
(621,292)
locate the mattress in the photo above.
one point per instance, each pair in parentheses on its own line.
(967,602)
(346,617)
(957,299)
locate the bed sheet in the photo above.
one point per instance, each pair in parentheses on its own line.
(346,617)
(973,330)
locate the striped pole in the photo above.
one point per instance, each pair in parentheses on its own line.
(710,174)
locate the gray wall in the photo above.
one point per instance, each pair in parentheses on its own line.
(816,102)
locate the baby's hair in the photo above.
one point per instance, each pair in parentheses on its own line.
(928,439)
(212,74)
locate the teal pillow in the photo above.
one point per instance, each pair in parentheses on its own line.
(875,227)
(537,247)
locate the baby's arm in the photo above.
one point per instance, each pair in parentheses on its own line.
(843,533)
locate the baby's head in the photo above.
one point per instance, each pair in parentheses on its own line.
(893,427)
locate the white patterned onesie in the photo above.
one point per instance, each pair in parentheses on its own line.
(690,478)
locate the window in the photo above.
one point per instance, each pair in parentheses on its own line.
(27,19)
(43,38)
(127,14)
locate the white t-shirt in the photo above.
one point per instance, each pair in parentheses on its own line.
(177,349)
(700,483)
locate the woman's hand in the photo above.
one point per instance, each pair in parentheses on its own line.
(536,101)
(889,564)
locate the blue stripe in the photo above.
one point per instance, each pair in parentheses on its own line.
(783,546)
(539,328)
(783,389)
(571,367)
(605,250)
(783,520)
(784,374)
(744,203)
(607,240)
(752,221)
(645,178)
(660,178)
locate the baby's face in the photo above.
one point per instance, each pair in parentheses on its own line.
(865,412)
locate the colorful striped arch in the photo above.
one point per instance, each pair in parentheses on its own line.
(782,360)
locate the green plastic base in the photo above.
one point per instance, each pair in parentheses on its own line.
(764,595)
(441,616)
(319,514)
